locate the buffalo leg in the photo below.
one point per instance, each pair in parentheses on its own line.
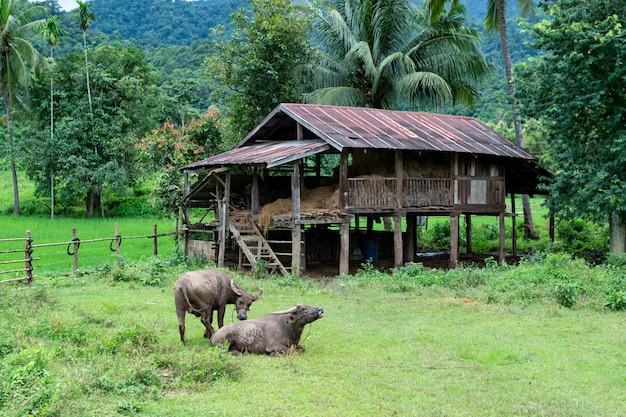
(220,316)
(207,319)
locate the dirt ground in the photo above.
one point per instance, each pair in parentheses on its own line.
(429,261)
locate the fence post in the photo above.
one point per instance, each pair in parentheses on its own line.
(117,245)
(76,246)
(155,239)
(28,259)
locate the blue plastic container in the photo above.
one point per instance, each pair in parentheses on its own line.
(370,249)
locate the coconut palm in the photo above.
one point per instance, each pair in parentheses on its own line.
(385,54)
(20,60)
(495,21)
(52,31)
(85,16)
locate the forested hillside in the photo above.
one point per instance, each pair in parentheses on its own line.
(177,37)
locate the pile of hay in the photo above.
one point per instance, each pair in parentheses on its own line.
(317,202)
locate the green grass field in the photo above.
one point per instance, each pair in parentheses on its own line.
(469,342)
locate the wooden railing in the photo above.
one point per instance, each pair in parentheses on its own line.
(380,192)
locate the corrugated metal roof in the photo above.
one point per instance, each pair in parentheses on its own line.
(271,154)
(273,142)
(357,127)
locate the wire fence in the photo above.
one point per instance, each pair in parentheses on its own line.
(20,257)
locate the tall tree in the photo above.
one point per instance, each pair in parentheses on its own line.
(577,89)
(52,31)
(385,54)
(19,62)
(269,41)
(85,16)
(95,160)
(495,21)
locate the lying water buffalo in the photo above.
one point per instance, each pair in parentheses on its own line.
(202,292)
(275,333)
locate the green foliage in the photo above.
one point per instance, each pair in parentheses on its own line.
(89,159)
(616,294)
(165,150)
(576,89)
(257,63)
(384,54)
(582,238)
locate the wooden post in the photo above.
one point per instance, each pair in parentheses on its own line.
(398,247)
(344,245)
(343,179)
(513,226)
(454,240)
(296,230)
(28,259)
(552,234)
(468,233)
(186,195)
(398,250)
(76,246)
(117,244)
(501,255)
(155,250)
(254,193)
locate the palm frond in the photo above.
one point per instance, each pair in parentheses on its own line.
(337,96)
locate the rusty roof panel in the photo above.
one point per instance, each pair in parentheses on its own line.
(271,154)
(356,127)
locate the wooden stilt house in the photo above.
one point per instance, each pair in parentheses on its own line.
(308,183)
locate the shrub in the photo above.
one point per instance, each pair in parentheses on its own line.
(616,294)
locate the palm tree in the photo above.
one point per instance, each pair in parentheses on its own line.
(495,20)
(52,32)
(85,17)
(19,61)
(384,54)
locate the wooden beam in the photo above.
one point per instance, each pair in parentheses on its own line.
(254,193)
(501,255)
(513,225)
(344,250)
(398,250)
(454,240)
(296,230)
(343,179)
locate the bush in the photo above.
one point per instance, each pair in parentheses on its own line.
(583,239)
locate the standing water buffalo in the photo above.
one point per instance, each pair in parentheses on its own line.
(275,333)
(202,292)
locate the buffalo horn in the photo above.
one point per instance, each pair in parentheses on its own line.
(288,311)
(234,288)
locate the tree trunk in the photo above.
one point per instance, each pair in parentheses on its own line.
(87,76)
(91,202)
(16,195)
(529,226)
(617,241)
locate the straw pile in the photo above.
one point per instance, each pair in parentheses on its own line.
(321,202)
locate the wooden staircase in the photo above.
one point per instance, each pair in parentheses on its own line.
(254,247)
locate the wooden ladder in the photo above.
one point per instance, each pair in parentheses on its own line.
(254,246)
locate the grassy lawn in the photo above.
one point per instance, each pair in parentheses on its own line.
(107,345)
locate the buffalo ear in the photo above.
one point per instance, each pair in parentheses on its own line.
(234,288)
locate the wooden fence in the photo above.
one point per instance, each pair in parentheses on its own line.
(22,253)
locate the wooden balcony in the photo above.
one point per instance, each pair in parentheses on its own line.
(380,193)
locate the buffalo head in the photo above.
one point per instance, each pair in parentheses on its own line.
(244,300)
